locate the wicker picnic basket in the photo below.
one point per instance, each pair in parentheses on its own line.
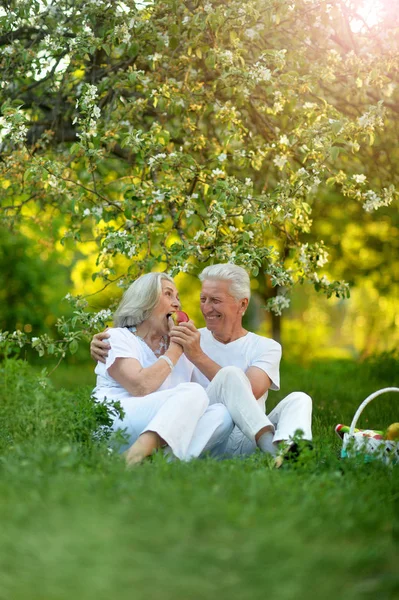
(358,442)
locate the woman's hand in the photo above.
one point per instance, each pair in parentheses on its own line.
(188,337)
(98,347)
(173,344)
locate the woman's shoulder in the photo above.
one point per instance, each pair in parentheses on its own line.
(118,332)
(122,334)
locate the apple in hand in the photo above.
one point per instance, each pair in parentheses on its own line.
(179,317)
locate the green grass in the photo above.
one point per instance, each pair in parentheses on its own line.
(76,525)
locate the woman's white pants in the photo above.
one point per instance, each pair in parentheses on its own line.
(180,416)
(232,388)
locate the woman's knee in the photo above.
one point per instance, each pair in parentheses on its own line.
(194,393)
(222,417)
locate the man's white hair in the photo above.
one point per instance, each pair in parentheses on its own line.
(140,299)
(237,276)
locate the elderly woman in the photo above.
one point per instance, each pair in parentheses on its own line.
(150,376)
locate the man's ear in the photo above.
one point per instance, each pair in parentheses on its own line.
(244,305)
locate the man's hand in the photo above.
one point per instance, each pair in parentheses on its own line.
(98,348)
(188,336)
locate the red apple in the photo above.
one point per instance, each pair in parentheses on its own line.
(180,317)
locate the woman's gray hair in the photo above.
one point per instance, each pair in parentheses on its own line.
(238,277)
(140,299)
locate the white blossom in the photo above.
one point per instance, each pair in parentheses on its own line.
(158,196)
(360,178)
(302,171)
(374,201)
(155,57)
(122,8)
(156,158)
(261,73)
(284,141)
(278,107)
(101,317)
(278,303)
(251,34)
(280,161)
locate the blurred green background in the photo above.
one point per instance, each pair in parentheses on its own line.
(36,274)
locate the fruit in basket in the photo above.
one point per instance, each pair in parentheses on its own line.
(393,432)
(180,317)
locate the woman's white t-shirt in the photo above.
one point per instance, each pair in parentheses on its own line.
(125,344)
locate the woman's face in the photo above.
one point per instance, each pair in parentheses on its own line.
(168,303)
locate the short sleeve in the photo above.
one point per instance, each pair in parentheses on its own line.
(267,357)
(122,346)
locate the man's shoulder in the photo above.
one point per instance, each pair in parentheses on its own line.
(264,342)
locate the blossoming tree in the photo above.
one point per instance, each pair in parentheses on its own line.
(177,133)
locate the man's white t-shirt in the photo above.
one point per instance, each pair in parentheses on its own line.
(125,344)
(250,350)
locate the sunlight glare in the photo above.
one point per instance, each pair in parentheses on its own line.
(370,13)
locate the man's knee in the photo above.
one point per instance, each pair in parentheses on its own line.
(305,400)
(230,373)
(300,399)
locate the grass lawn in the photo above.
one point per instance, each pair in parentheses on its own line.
(76,525)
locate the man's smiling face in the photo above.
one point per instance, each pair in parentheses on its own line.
(222,312)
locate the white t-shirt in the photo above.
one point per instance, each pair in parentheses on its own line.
(249,351)
(125,344)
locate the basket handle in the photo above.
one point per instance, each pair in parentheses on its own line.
(365,402)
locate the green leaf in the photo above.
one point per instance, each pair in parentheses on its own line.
(74,148)
(334,152)
(249,219)
(336,126)
(210,61)
(73,347)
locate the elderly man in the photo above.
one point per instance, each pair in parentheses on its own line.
(237,367)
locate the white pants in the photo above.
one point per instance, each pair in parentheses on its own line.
(232,388)
(180,416)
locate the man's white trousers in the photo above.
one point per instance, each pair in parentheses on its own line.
(232,388)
